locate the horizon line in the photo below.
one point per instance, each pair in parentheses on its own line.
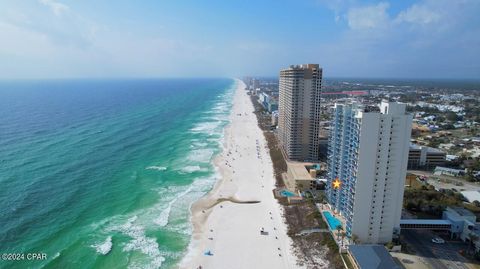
(234,77)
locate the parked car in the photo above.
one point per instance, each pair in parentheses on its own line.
(438,240)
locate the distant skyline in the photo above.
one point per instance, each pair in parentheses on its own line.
(135,39)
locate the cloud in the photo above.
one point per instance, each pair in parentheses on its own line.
(423,39)
(368,17)
(429,38)
(338,7)
(419,14)
(57,8)
(64,28)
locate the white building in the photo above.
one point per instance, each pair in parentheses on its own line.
(368,154)
(299,111)
(425,157)
(274,118)
(471,196)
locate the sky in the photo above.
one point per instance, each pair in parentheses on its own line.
(218,38)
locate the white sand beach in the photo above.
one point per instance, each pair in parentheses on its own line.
(222,223)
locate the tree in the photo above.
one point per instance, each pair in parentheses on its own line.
(354,238)
(339,229)
(343,234)
(451,116)
(472,239)
(390,245)
(448,126)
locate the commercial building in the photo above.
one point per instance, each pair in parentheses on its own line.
(367,165)
(459,222)
(371,257)
(302,176)
(299,111)
(448,171)
(422,157)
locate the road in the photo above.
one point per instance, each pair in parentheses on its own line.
(439,256)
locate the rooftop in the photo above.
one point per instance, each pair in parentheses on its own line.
(299,170)
(429,149)
(446,169)
(372,257)
(425,221)
(462,211)
(304,66)
(471,195)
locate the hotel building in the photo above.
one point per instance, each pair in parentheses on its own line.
(299,111)
(367,154)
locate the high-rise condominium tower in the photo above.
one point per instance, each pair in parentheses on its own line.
(299,111)
(368,153)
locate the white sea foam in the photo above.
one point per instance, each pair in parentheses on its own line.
(206,127)
(170,213)
(182,228)
(192,168)
(204,184)
(221,107)
(162,219)
(140,242)
(198,144)
(200,155)
(159,168)
(105,247)
(55,256)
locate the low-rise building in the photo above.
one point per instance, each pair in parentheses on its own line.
(302,176)
(274,118)
(465,224)
(449,171)
(471,196)
(371,257)
(458,217)
(458,221)
(423,157)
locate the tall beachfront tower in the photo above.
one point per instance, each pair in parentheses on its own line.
(367,165)
(299,111)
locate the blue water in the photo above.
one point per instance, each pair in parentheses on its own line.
(101,173)
(286,193)
(333,222)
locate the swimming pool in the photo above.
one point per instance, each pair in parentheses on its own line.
(286,193)
(333,222)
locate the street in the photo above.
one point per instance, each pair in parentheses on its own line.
(439,256)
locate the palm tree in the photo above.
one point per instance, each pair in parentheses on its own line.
(339,229)
(343,234)
(355,238)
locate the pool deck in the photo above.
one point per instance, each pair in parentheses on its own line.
(333,222)
(338,239)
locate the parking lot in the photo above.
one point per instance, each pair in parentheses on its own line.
(441,256)
(455,182)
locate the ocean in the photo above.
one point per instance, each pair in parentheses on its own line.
(101,173)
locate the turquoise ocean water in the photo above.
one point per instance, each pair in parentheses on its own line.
(101,173)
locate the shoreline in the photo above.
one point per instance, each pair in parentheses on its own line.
(227,221)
